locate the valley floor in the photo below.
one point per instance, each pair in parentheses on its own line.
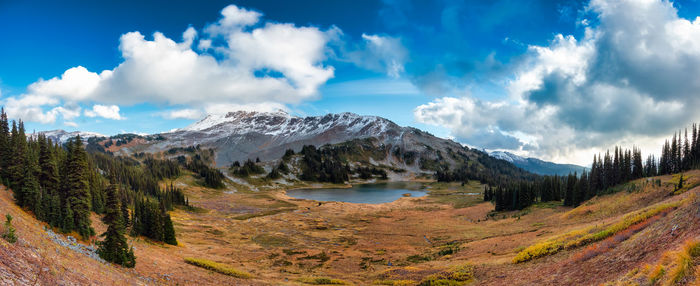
(284,241)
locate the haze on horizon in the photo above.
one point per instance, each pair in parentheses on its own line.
(559,80)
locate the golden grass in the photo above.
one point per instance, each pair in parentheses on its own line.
(395,282)
(683,261)
(457,275)
(585,236)
(656,274)
(617,202)
(321,281)
(672,268)
(627,221)
(689,182)
(261,214)
(538,250)
(271,240)
(218,267)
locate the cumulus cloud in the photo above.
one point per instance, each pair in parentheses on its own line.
(631,76)
(104,111)
(469,121)
(238,60)
(386,52)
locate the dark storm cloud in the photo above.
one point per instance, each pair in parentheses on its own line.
(634,74)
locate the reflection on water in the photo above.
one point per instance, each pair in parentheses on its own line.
(363,193)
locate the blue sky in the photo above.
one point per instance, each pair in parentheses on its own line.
(538,78)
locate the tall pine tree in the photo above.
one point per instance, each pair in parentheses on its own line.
(79,188)
(115,248)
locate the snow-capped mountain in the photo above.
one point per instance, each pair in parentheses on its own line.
(63,136)
(281,123)
(242,135)
(370,140)
(507,156)
(537,166)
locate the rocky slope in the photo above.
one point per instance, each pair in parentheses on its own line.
(242,135)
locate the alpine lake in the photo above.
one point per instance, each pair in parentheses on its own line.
(375,193)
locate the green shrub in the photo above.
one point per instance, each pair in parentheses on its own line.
(218,267)
(9,234)
(458,275)
(321,281)
(583,237)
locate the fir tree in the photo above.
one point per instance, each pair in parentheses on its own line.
(115,248)
(67,224)
(48,178)
(32,193)
(9,234)
(16,167)
(79,188)
(168,230)
(5,147)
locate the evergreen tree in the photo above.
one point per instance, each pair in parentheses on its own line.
(115,248)
(16,167)
(686,151)
(68,223)
(79,188)
(5,147)
(54,214)
(637,166)
(9,234)
(168,230)
(31,192)
(125,213)
(570,197)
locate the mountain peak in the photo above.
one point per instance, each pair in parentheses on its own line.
(62,136)
(536,165)
(249,113)
(507,156)
(213,120)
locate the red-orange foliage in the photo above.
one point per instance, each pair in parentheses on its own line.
(610,243)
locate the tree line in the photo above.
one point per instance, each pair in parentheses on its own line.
(61,184)
(485,169)
(678,154)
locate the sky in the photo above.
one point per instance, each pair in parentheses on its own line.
(557,80)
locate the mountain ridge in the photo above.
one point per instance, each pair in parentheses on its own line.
(242,135)
(538,166)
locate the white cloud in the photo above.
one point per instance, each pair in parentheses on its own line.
(29,108)
(187,113)
(246,62)
(379,53)
(388,51)
(70,123)
(262,107)
(630,79)
(235,17)
(104,111)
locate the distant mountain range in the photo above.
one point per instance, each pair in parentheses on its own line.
(242,135)
(538,166)
(62,136)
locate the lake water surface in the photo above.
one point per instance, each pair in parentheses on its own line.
(362,193)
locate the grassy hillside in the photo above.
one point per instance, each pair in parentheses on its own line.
(643,233)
